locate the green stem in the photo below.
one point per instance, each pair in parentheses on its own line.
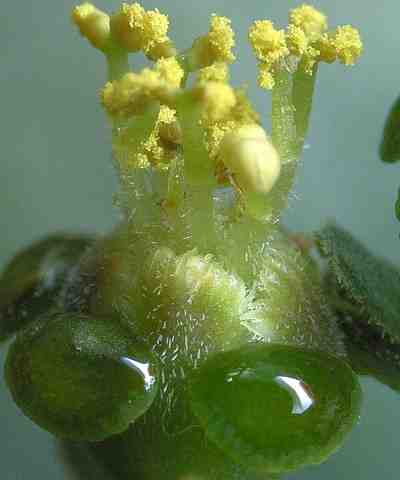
(291,107)
(268,207)
(199,169)
(183,61)
(200,213)
(283,118)
(175,194)
(302,96)
(117,63)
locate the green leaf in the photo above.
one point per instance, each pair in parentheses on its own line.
(365,291)
(31,281)
(80,377)
(397,206)
(276,408)
(390,144)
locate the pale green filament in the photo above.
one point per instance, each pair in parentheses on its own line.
(302,96)
(117,62)
(199,169)
(291,108)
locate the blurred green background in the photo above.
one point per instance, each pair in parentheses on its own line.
(55,171)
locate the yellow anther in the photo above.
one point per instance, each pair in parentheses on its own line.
(251,159)
(216,46)
(269,44)
(348,44)
(160,147)
(132,93)
(217,100)
(161,50)
(296,40)
(265,77)
(136,29)
(218,72)
(170,71)
(327,48)
(215,132)
(309,19)
(92,23)
(167,115)
(222,39)
(168,127)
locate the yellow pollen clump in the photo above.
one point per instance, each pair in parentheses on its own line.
(166,115)
(216,46)
(92,23)
(296,40)
(242,113)
(132,93)
(170,71)
(217,100)
(160,147)
(309,19)
(348,44)
(269,44)
(327,48)
(218,72)
(161,50)
(136,29)
(221,39)
(214,133)
(265,77)
(168,127)
(306,39)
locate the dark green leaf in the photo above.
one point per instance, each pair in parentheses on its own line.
(390,145)
(365,291)
(397,206)
(30,282)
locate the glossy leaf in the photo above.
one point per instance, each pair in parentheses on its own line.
(276,408)
(79,377)
(30,282)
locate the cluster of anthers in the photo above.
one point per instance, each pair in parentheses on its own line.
(306,39)
(211,124)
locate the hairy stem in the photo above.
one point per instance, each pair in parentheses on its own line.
(302,96)
(291,107)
